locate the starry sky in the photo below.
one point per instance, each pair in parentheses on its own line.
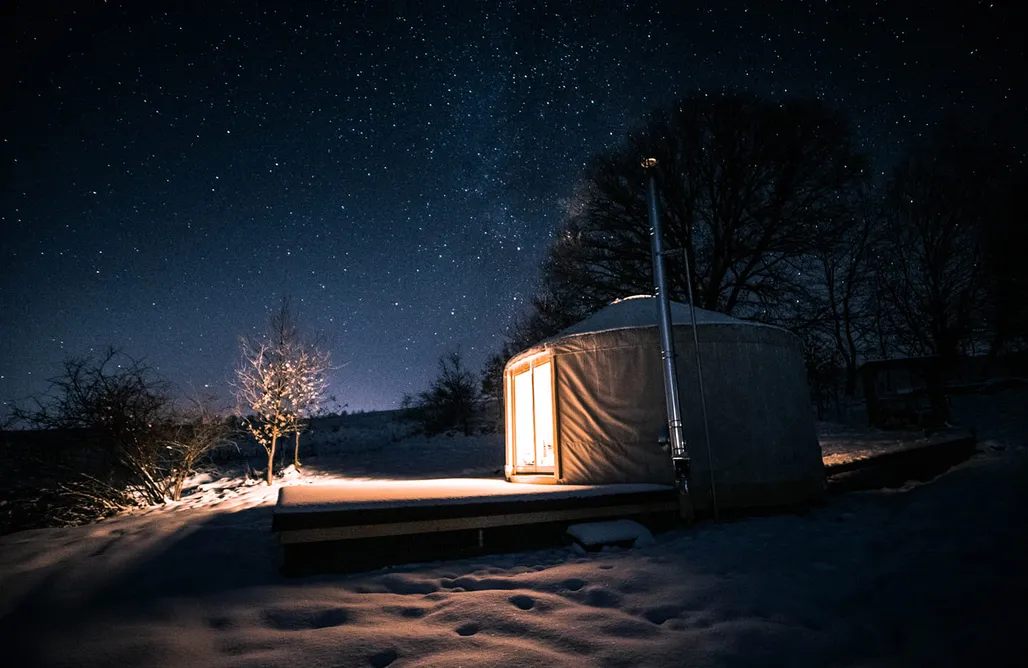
(170,170)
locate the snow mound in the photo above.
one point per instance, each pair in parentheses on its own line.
(594,534)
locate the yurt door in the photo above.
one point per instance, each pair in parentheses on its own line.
(531,406)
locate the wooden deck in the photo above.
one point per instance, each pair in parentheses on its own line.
(361,524)
(375,509)
(899,463)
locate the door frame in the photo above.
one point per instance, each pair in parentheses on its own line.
(534,474)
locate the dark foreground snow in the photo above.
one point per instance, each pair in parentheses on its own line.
(934,574)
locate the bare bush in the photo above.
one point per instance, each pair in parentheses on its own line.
(193,434)
(116,407)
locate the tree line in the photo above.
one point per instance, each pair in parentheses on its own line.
(772,209)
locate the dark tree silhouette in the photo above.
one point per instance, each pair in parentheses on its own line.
(749,189)
(492,377)
(838,307)
(1006,271)
(449,400)
(938,203)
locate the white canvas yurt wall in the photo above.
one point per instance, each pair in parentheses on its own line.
(587,407)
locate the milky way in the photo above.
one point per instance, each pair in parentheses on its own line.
(170,170)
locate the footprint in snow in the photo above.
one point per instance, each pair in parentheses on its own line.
(413,613)
(100,551)
(602,598)
(522,601)
(573,584)
(395,584)
(661,614)
(469,629)
(629,628)
(383,659)
(219,623)
(300,620)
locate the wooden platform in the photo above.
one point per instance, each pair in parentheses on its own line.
(892,467)
(375,509)
(361,524)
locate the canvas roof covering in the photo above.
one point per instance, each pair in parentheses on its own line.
(610,408)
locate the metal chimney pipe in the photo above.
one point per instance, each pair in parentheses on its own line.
(679,456)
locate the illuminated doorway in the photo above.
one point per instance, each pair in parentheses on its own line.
(530,424)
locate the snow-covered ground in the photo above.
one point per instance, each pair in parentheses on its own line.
(931,574)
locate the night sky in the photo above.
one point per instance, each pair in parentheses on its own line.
(171,170)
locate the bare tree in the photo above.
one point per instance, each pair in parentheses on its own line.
(312,362)
(1006,272)
(279,380)
(262,391)
(491,387)
(450,399)
(838,304)
(747,186)
(932,277)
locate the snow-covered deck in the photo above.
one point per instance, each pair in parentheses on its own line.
(893,464)
(378,508)
(848,450)
(370,509)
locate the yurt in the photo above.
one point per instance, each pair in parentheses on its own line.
(587,407)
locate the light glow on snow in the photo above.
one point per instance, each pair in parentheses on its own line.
(928,574)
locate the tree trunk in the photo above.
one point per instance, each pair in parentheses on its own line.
(176,491)
(851,378)
(296,451)
(271,459)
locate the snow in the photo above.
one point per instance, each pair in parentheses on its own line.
(591,534)
(928,574)
(641,311)
(365,495)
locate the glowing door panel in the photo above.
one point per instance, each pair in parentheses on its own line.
(531,404)
(543,410)
(524,441)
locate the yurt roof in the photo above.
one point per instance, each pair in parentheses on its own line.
(641,311)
